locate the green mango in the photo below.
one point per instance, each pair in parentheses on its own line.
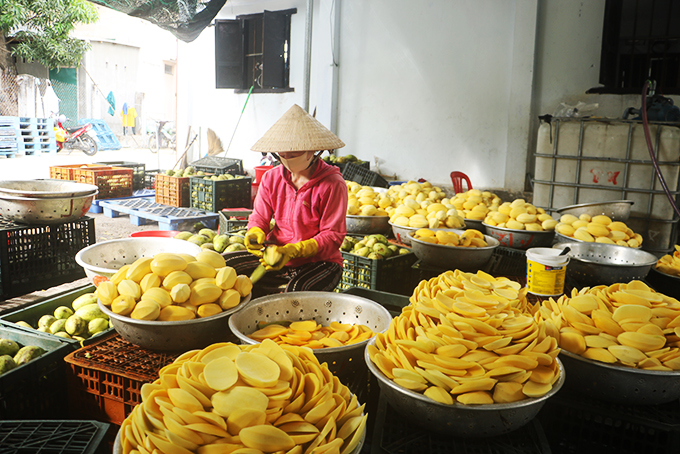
(97,325)
(28,353)
(189,171)
(75,325)
(58,326)
(9,347)
(375,256)
(220,242)
(89,313)
(84,300)
(363,252)
(236,239)
(379,238)
(184,235)
(62,312)
(208,246)
(199,239)
(210,233)
(170,172)
(403,251)
(46,321)
(63,334)
(233,247)
(7,363)
(24,324)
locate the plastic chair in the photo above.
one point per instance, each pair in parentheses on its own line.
(457,180)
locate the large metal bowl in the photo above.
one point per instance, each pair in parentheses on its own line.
(178,336)
(107,257)
(593,264)
(664,283)
(366,225)
(401,233)
(617,210)
(460,420)
(474,224)
(41,211)
(47,188)
(620,384)
(560,238)
(451,257)
(324,308)
(520,239)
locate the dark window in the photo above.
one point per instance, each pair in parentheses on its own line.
(169,69)
(254,50)
(640,41)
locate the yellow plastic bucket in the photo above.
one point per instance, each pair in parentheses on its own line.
(546,270)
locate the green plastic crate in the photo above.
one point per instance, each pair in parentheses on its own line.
(230,221)
(37,389)
(214,195)
(32,314)
(388,275)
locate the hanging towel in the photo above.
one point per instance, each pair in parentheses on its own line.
(51,101)
(112,103)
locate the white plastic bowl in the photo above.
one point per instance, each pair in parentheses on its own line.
(107,257)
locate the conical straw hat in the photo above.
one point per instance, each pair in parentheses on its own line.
(296,130)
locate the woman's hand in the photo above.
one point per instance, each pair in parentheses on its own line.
(254,241)
(303,249)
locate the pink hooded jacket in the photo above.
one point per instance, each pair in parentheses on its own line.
(317,210)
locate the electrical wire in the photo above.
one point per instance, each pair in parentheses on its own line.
(648,137)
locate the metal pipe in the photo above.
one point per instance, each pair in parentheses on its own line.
(308,54)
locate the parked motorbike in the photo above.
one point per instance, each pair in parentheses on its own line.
(161,135)
(75,138)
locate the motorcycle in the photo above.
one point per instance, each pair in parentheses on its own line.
(75,138)
(168,136)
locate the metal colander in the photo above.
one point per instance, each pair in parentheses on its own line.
(620,384)
(605,264)
(324,308)
(460,420)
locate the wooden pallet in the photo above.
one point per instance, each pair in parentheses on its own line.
(144,209)
(96,206)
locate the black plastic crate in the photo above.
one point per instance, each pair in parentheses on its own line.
(214,195)
(422,272)
(366,165)
(40,256)
(35,390)
(394,434)
(577,424)
(138,171)
(388,275)
(218,166)
(363,176)
(232,221)
(390,301)
(52,436)
(150,178)
(507,262)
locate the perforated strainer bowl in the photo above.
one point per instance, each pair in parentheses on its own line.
(324,308)
(107,257)
(605,264)
(620,384)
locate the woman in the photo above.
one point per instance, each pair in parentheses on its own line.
(307,199)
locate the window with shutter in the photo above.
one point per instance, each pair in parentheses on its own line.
(253,50)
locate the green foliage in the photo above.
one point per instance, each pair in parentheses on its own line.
(38,30)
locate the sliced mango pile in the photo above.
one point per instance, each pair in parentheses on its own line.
(670,264)
(598,229)
(520,215)
(245,399)
(468,338)
(174,287)
(626,324)
(308,333)
(469,238)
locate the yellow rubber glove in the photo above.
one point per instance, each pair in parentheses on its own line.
(254,241)
(303,249)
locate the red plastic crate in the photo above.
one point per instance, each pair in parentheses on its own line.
(113,182)
(173,191)
(104,379)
